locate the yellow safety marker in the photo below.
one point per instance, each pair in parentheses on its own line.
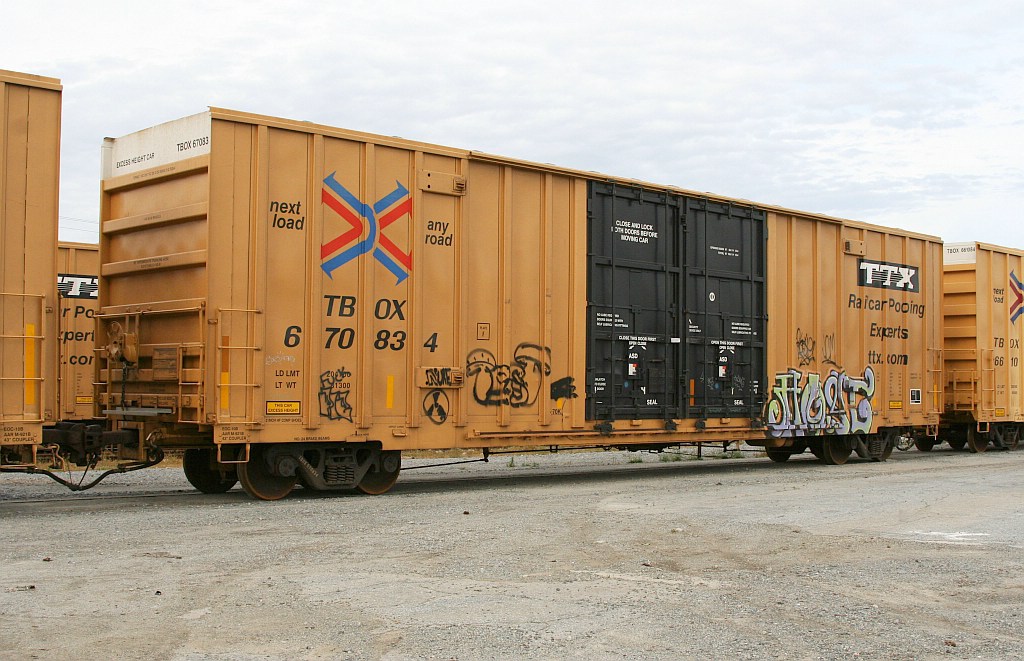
(30,365)
(225,374)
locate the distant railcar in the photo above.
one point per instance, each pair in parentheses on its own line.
(78,292)
(983,327)
(292,302)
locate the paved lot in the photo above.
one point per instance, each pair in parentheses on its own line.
(554,556)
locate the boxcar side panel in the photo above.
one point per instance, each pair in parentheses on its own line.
(983,306)
(356,298)
(854,333)
(30,109)
(289,283)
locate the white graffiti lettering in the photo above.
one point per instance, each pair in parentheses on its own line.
(841,404)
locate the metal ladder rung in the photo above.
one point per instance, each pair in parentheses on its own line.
(223,388)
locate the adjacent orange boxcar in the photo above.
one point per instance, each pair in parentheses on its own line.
(983,327)
(30,110)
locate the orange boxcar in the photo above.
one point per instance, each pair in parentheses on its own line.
(983,306)
(30,108)
(291,301)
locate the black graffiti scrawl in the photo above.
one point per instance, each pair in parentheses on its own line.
(436,406)
(563,389)
(516,384)
(334,391)
(804,348)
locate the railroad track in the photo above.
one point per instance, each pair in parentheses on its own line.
(423,476)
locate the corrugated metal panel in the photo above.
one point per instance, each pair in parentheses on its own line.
(983,328)
(854,342)
(29,177)
(319,285)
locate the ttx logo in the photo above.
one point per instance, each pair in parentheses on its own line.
(886,275)
(70,285)
(381,214)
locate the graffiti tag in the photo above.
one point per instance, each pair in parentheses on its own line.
(440,376)
(334,391)
(804,348)
(276,358)
(828,351)
(841,404)
(515,384)
(436,406)
(563,389)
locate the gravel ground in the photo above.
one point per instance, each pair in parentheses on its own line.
(537,557)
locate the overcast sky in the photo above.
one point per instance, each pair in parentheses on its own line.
(902,114)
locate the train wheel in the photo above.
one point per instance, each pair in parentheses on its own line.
(201,472)
(872,446)
(259,482)
(1004,436)
(904,442)
(859,451)
(957,443)
(376,482)
(835,451)
(976,442)
(880,446)
(816,449)
(924,444)
(780,455)
(1011,438)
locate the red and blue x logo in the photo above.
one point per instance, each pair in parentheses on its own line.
(1017,307)
(393,206)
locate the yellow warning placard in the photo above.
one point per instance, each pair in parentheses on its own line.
(284,408)
(895,404)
